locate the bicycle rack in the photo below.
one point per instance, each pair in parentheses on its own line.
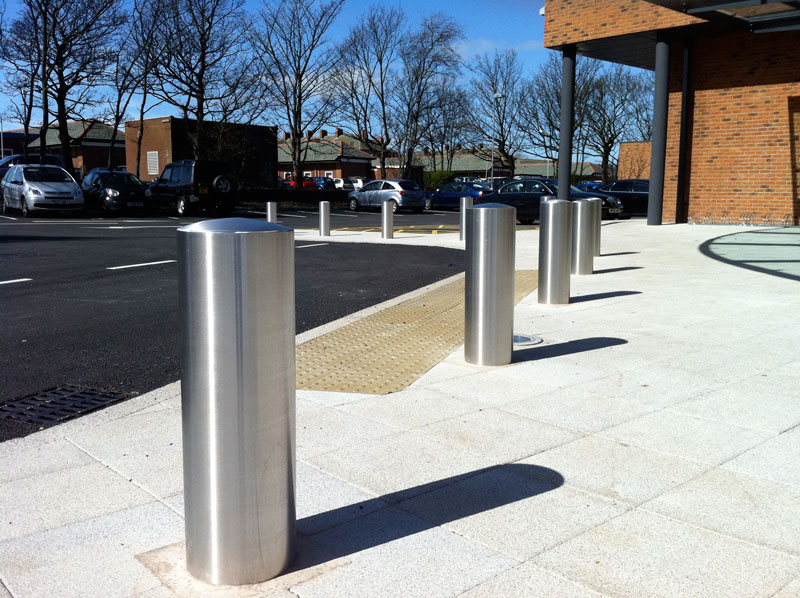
(767,219)
(787,220)
(725,219)
(708,218)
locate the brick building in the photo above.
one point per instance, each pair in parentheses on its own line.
(251,149)
(336,156)
(726,136)
(89,145)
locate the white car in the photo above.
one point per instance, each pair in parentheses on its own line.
(31,187)
(358,181)
(345,184)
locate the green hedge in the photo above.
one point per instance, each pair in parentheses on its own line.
(436,178)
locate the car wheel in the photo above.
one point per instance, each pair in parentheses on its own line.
(394,206)
(428,203)
(353,204)
(222,184)
(26,213)
(183,207)
(5,206)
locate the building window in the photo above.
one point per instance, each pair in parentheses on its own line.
(287,175)
(152,162)
(329,174)
(307,173)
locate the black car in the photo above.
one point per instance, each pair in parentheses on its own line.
(189,186)
(633,193)
(115,191)
(526,194)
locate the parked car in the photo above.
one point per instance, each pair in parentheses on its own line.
(15,159)
(589,185)
(358,181)
(634,192)
(189,186)
(321,183)
(111,190)
(467,179)
(33,187)
(526,194)
(496,182)
(449,195)
(404,195)
(344,184)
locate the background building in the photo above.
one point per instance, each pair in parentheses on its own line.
(89,145)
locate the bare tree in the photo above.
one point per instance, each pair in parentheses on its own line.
(144,39)
(298,67)
(202,59)
(447,127)
(368,59)
(426,57)
(124,80)
(497,104)
(642,107)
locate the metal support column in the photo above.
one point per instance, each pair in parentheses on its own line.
(597,220)
(583,233)
(466,202)
(683,145)
(387,220)
(555,251)
(567,120)
(238,398)
(489,284)
(324,219)
(272,211)
(655,200)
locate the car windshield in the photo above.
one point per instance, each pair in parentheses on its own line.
(36,174)
(409,185)
(120,178)
(572,188)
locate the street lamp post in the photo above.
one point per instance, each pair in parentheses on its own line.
(497,96)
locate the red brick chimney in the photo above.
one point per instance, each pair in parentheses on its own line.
(287,135)
(309,134)
(339,132)
(323,133)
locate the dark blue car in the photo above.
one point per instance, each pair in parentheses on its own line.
(323,182)
(450,194)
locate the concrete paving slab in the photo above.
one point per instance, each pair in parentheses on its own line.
(615,470)
(516,509)
(791,590)
(411,409)
(398,466)
(777,460)
(738,505)
(493,387)
(529,580)
(34,458)
(499,436)
(94,557)
(329,399)
(425,560)
(693,438)
(639,555)
(326,429)
(62,497)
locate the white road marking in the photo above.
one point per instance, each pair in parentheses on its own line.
(15,280)
(291,216)
(314,245)
(303,212)
(345,215)
(139,265)
(8,217)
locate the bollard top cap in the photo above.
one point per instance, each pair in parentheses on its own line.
(234,225)
(491,206)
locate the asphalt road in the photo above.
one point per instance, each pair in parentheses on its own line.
(77,321)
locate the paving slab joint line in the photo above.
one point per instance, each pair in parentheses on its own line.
(124,477)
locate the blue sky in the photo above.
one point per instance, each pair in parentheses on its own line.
(488,25)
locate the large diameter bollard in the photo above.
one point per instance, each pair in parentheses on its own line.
(555,251)
(387,220)
(324,219)
(583,232)
(466,202)
(489,285)
(272,211)
(597,205)
(236,285)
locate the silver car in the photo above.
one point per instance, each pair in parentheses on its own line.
(404,195)
(30,187)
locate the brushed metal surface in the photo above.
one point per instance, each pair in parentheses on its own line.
(324,219)
(236,285)
(555,251)
(489,284)
(387,220)
(597,206)
(583,232)
(466,202)
(272,211)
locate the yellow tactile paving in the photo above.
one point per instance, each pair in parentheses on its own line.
(387,351)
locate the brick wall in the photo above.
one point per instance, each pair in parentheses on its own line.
(157,138)
(634,160)
(572,21)
(743,158)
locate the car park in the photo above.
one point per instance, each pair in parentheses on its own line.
(31,188)
(633,192)
(190,186)
(115,191)
(404,195)
(449,195)
(526,194)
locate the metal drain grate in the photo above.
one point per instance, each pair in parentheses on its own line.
(59,404)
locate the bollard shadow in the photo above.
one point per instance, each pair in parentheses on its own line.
(598,296)
(568,348)
(619,253)
(360,526)
(620,269)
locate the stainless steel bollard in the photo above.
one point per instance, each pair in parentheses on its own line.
(324,219)
(489,285)
(272,211)
(597,205)
(387,220)
(466,202)
(236,284)
(555,251)
(583,232)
